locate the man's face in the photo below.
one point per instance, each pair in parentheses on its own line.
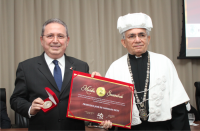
(136,41)
(55,40)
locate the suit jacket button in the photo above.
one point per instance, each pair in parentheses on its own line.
(59,120)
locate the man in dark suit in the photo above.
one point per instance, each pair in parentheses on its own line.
(34,74)
(5,120)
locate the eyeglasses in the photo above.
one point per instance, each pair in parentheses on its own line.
(51,36)
(134,36)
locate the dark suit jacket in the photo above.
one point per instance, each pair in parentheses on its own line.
(5,120)
(32,76)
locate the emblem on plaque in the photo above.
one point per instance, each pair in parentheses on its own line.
(101,91)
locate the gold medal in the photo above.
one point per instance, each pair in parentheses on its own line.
(47,104)
(101,91)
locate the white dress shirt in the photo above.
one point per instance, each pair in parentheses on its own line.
(51,65)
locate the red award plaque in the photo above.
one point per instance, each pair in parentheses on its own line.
(98,99)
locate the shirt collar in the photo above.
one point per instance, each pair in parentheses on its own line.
(136,57)
(49,60)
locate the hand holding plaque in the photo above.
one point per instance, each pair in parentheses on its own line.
(98,99)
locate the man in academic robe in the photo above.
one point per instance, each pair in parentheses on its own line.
(159,96)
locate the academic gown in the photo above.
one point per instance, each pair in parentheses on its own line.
(179,120)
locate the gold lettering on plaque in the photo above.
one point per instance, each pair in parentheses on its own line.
(114,95)
(88,89)
(111,116)
(89,113)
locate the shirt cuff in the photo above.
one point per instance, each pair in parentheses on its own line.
(29,112)
(188,107)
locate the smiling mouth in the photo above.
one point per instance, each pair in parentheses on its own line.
(138,46)
(55,46)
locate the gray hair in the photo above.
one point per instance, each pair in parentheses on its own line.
(54,20)
(123,34)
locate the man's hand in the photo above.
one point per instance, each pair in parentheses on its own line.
(95,74)
(106,124)
(36,106)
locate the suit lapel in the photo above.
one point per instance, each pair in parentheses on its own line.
(67,76)
(44,69)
